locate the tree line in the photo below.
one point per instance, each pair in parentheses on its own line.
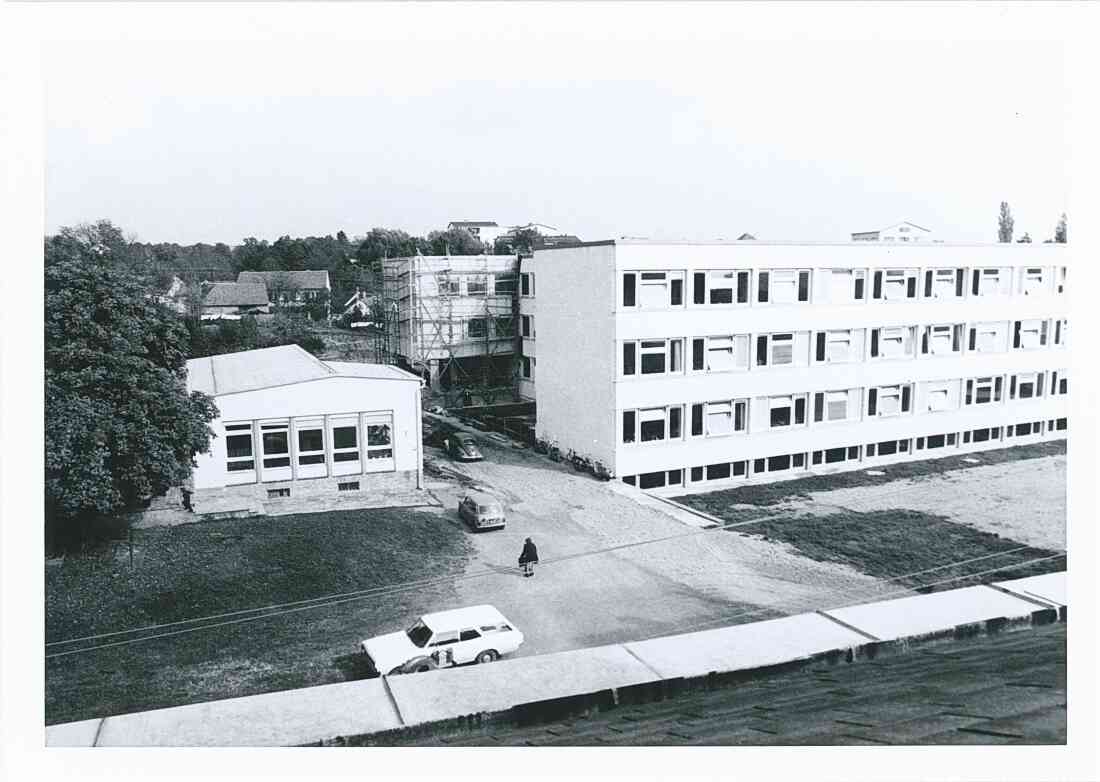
(1006,225)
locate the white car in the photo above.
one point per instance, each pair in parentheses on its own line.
(464,635)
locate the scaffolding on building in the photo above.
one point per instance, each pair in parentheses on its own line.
(454,320)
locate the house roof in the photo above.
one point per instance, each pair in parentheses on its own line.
(887,228)
(307,280)
(250,370)
(473,223)
(236,294)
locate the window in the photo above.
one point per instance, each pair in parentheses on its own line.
(722,353)
(629,433)
(276,493)
(781,349)
(983,390)
(660,289)
(894,284)
(275,438)
(653,424)
(238,447)
(658,356)
(944,283)
(1061,286)
(725,417)
(893,342)
(783,286)
(526,326)
(476,328)
(504,284)
(349,486)
(630,289)
(836,455)
(1029,334)
(718,471)
(887,401)
(722,286)
(987,338)
(1059,384)
(831,406)
(839,346)
(787,411)
(345,442)
(1022,430)
(887,447)
(526,367)
(651,480)
(988,282)
(449,285)
(629,480)
(476,286)
(846,285)
(504,326)
(941,340)
(1025,385)
(1031,281)
(940,395)
(379,437)
(311,441)
(780,463)
(1061,332)
(527,284)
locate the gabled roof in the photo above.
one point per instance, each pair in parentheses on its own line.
(250,370)
(236,294)
(887,228)
(305,280)
(473,223)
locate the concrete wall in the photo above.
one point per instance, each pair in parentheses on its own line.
(587,305)
(577,338)
(327,396)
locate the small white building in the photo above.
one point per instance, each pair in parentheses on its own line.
(485,231)
(898,232)
(291,425)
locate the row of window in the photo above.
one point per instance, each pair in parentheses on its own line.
(782,463)
(730,352)
(724,417)
(663,289)
(499,327)
(475,284)
(273,445)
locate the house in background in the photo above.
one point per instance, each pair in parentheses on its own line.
(175,298)
(358,309)
(899,232)
(231,300)
(292,426)
(292,288)
(486,231)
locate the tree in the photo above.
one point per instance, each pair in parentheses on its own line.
(1025,239)
(1005,224)
(522,241)
(456,241)
(120,425)
(387,243)
(1061,230)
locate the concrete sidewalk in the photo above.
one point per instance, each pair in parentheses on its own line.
(578,679)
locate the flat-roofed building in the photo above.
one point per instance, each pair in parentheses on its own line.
(290,425)
(680,365)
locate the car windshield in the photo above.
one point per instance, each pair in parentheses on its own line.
(419,633)
(466,442)
(488,509)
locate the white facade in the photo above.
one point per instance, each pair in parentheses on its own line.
(289,423)
(672,362)
(528,330)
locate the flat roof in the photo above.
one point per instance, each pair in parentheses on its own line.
(792,243)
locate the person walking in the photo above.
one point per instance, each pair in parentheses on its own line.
(528,557)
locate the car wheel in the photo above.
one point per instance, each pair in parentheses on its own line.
(488,656)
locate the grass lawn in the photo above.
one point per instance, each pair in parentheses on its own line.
(884,543)
(210,568)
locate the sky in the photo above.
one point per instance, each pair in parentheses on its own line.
(601,121)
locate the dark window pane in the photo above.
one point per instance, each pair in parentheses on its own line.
(628,426)
(674,478)
(628,358)
(758,465)
(960,281)
(674,422)
(803,286)
(240,466)
(697,473)
(781,416)
(973,339)
(870,449)
(911,288)
(381,453)
(740,468)
(700,296)
(905,397)
(651,480)
(859,288)
(761,351)
(653,430)
(936,441)
(874,342)
(676,297)
(800,410)
(696,420)
(311,440)
(903,445)
(276,442)
(853,452)
(317,458)
(279,462)
(238,445)
(762,286)
(872,401)
(629,479)
(697,350)
(876,291)
(887,448)
(833,455)
(779,463)
(378,434)
(742,287)
(816,459)
(349,456)
(951,439)
(1061,424)
(927,284)
(721,296)
(799,460)
(977,282)
(718,471)
(629,282)
(819,353)
(653,363)
(344,437)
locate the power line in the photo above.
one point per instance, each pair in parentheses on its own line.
(389,589)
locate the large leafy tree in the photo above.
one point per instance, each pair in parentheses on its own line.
(120,425)
(1005,224)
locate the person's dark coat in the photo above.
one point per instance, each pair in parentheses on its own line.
(529,553)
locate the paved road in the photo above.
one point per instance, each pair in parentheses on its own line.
(1005,689)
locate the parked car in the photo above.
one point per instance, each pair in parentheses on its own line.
(481,511)
(478,634)
(462,448)
(437,410)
